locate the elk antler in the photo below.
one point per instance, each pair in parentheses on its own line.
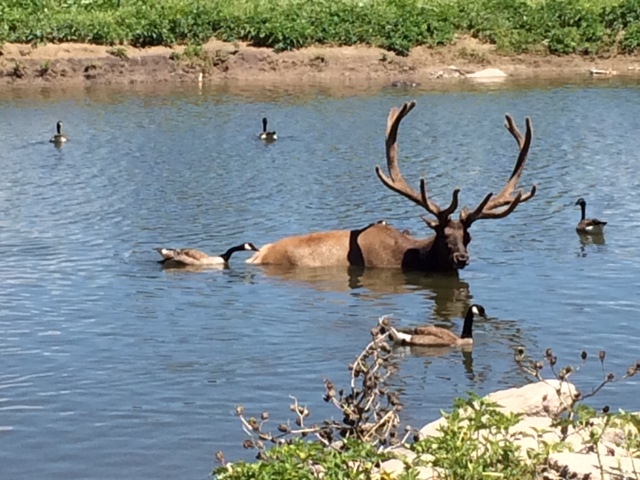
(397,183)
(488,207)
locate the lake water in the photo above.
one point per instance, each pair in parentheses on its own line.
(111,367)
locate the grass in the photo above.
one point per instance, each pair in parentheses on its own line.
(542,26)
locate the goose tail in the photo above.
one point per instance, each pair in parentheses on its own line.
(166,253)
(397,336)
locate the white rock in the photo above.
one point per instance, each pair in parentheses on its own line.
(586,466)
(487,73)
(547,398)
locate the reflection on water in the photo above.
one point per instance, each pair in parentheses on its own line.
(115,368)
(449,294)
(589,241)
(464,353)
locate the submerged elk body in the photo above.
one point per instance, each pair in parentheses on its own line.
(380,245)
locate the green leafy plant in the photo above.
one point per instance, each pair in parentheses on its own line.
(565,26)
(118,52)
(44,68)
(192,51)
(475,442)
(19,70)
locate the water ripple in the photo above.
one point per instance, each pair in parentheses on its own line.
(113,366)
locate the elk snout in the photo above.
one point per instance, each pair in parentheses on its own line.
(460,259)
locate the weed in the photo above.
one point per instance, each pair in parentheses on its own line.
(475,441)
(473,55)
(118,52)
(19,70)
(193,51)
(44,68)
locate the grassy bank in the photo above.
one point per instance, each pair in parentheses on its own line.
(514,26)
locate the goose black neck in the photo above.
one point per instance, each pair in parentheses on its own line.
(467,327)
(264,125)
(227,255)
(59,128)
(583,209)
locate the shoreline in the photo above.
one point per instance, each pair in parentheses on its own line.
(216,62)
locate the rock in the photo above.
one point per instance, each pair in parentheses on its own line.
(544,399)
(580,465)
(540,404)
(487,73)
(548,398)
(599,72)
(392,468)
(404,84)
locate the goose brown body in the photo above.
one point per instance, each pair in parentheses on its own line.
(588,225)
(58,138)
(265,134)
(190,256)
(432,336)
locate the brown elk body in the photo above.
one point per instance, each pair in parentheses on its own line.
(380,245)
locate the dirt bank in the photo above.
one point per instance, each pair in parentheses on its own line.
(68,64)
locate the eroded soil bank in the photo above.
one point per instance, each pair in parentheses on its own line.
(78,64)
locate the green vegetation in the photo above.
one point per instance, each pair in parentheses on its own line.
(475,441)
(543,26)
(44,68)
(118,52)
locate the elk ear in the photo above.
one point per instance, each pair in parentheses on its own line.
(432,224)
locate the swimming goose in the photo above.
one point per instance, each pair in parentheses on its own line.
(265,135)
(588,225)
(58,137)
(431,336)
(190,256)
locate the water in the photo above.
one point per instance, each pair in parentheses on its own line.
(114,368)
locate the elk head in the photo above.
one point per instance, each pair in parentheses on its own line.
(448,247)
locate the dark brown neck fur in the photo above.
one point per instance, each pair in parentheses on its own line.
(380,245)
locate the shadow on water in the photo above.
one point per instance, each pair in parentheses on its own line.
(589,240)
(450,295)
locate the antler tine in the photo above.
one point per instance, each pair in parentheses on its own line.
(470,217)
(487,208)
(442,214)
(512,128)
(523,145)
(395,181)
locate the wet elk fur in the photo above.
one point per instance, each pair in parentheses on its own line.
(380,245)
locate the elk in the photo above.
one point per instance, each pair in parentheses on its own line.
(380,245)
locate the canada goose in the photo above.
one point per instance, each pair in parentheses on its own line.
(190,256)
(588,225)
(58,137)
(430,336)
(265,135)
